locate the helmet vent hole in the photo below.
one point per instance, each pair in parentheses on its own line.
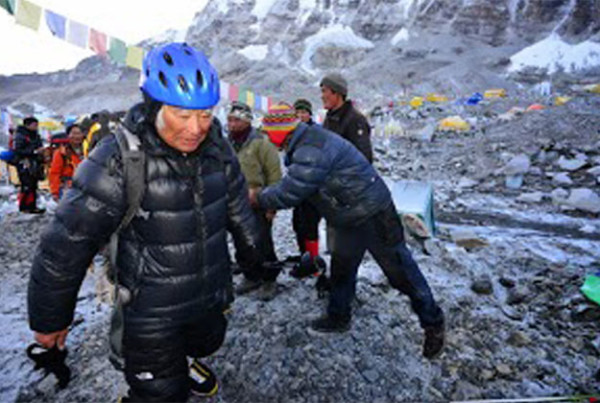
(168,58)
(199,78)
(182,83)
(187,51)
(147,72)
(163,79)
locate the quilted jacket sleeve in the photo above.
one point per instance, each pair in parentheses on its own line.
(85,218)
(307,171)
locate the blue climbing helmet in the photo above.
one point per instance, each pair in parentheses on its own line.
(179,75)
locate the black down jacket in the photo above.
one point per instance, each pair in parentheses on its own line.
(26,142)
(174,255)
(351,125)
(332,174)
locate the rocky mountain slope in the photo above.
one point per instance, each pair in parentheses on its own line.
(283,47)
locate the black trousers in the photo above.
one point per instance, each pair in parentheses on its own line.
(28,176)
(305,222)
(270,269)
(383,236)
(156,351)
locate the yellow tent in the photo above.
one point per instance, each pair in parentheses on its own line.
(454,124)
(495,93)
(593,88)
(416,102)
(560,101)
(432,97)
(50,125)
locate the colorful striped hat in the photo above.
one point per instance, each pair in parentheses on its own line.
(280,121)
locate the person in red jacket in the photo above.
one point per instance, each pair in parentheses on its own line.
(64,162)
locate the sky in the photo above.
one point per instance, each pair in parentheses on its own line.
(23,50)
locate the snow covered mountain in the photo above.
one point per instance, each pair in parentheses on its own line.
(385,47)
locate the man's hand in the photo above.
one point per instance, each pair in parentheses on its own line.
(253,196)
(270,214)
(49,340)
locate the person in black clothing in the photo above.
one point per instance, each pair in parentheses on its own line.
(342,118)
(173,258)
(305,217)
(28,147)
(345,188)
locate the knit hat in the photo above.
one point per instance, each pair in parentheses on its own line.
(336,82)
(280,121)
(303,104)
(241,111)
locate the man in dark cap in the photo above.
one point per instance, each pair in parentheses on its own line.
(342,118)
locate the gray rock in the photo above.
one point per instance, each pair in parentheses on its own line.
(559,195)
(562,178)
(585,312)
(483,286)
(517,295)
(467,238)
(514,181)
(534,197)
(504,369)
(507,282)
(519,339)
(427,133)
(584,199)
(466,183)
(536,171)
(571,164)
(594,171)
(518,165)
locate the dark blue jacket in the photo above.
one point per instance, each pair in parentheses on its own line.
(332,174)
(174,256)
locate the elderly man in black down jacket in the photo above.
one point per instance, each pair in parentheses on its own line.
(173,256)
(339,181)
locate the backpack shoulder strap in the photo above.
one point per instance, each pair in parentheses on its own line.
(134,164)
(134,171)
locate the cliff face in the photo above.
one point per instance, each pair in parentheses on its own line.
(283,47)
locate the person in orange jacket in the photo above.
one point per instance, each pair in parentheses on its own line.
(64,162)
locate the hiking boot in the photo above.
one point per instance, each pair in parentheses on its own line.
(434,341)
(267,291)
(331,324)
(203,382)
(308,266)
(247,285)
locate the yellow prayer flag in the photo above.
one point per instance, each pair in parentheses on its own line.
(135,57)
(250,99)
(28,14)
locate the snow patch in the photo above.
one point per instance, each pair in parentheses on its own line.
(336,35)
(255,52)
(554,54)
(401,36)
(262,7)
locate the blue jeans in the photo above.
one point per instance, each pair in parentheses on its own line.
(383,236)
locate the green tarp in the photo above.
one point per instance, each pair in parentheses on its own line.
(413,198)
(8,5)
(591,287)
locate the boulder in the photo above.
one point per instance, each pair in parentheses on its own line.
(559,195)
(571,164)
(594,171)
(468,239)
(483,286)
(562,178)
(534,197)
(517,165)
(584,199)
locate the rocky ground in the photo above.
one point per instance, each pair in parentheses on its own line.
(518,326)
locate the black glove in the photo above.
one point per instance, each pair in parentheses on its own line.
(51,360)
(308,266)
